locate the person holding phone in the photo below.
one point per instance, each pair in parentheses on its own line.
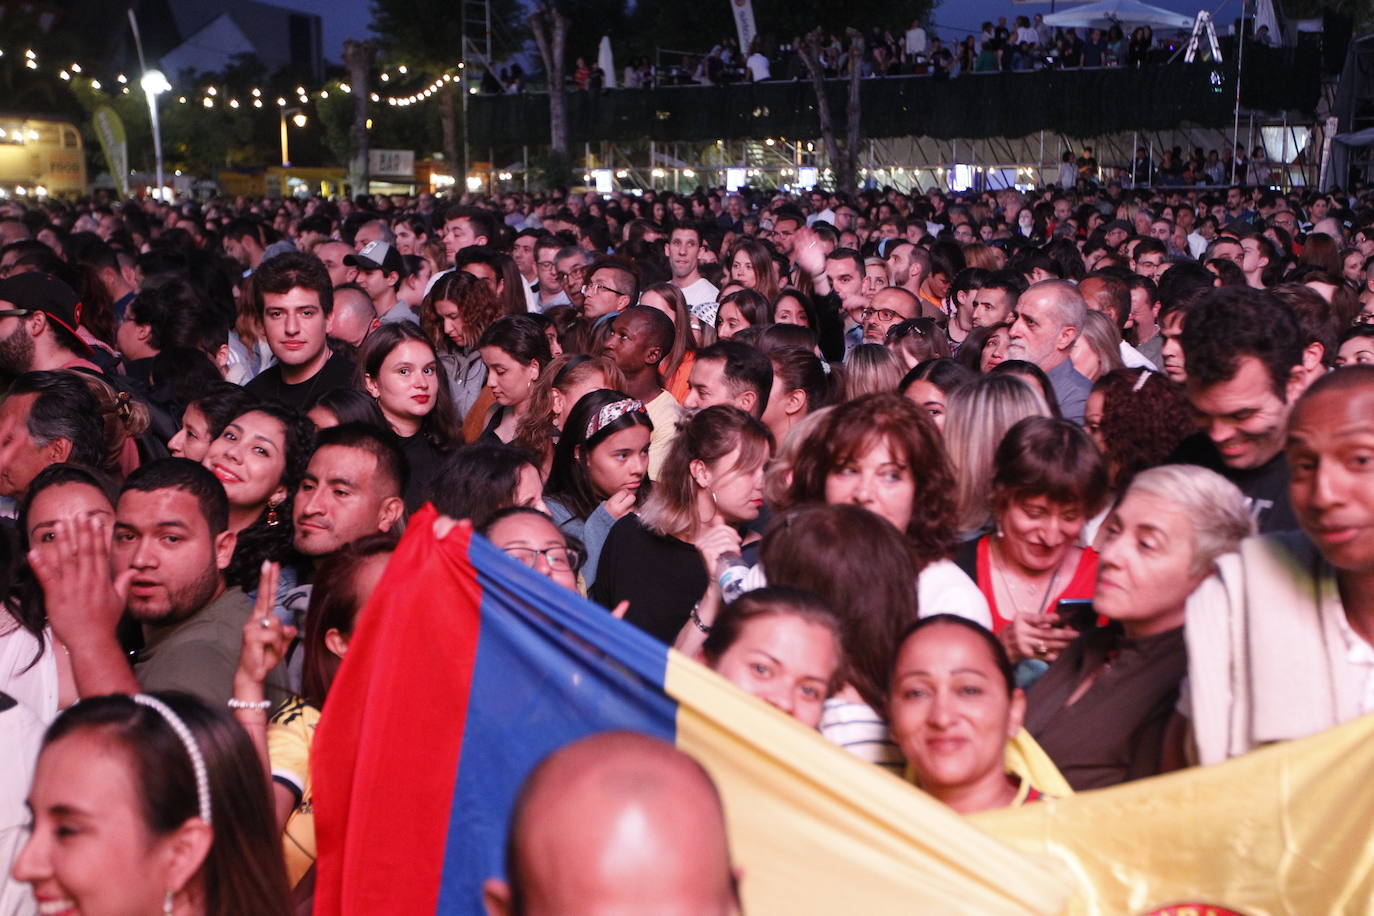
(1102,710)
(1048,479)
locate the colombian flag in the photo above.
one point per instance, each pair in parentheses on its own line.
(468,668)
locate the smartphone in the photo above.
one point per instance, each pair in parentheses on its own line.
(1077,613)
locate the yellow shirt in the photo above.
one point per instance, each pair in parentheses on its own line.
(289,734)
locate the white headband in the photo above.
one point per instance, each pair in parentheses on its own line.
(183,732)
(612,412)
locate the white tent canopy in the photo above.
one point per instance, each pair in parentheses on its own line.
(1106,13)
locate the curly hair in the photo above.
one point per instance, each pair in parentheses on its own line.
(854,428)
(263,541)
(478,308)
(1144,418)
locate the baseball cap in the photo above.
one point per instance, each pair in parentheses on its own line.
(40,292)
(377,256)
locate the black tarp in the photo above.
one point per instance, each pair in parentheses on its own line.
(973,106)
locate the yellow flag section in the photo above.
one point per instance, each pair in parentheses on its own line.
(815,830)
(1287,829)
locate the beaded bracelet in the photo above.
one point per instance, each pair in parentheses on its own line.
(263,705)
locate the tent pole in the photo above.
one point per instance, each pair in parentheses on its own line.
(1235,126)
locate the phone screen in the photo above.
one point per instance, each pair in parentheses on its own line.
(1077,613)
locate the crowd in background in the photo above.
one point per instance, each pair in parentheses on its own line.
(1082,473)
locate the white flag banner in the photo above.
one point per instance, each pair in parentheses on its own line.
(744,24)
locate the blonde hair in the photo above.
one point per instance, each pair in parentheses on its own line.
(977,419)
(1101,334)
(871,369)
(709,435)
(1216,508)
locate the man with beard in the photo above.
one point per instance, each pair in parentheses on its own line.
(171,546)
(39,316)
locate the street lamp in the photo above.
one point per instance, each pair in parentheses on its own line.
(299,119)
(155,83)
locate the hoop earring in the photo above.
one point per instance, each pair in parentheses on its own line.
(272,518)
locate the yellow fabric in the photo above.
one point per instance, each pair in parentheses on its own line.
(1283,830)
(816,830)
(1024,758)
(289,735)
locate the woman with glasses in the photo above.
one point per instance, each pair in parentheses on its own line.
(531,537)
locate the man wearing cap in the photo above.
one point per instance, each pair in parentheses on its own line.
(380,272)
(39,317)
(1117,231)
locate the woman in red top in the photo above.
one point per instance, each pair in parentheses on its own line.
(1048,480)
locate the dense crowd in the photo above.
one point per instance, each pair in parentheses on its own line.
(1028,43)
(1083,471)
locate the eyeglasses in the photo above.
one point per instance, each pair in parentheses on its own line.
(883,314)
(15,313)
(589,288)
(548,265)
(559,559)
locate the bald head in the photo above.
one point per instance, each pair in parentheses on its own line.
(618,822)
(352,316)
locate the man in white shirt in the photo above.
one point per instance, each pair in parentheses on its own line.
(915,40)
(684,246)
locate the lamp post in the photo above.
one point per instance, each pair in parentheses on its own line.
(155,83)
(299,119)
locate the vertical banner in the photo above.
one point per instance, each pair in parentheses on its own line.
(110,130)
(744,24)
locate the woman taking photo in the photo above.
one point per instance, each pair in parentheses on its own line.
(954,708)
(398,367)
(515,351)
(780,644)
(170,804)
(260,458)
(454,316)
(600,469)
(1102,709)
(710,487)
(1048,480)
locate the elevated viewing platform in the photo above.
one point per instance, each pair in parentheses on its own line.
(975,105)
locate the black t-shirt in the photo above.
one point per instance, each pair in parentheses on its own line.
(661,577)
(422,459)
(337,372)
(1266,487)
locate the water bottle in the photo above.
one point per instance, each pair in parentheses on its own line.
(731,578)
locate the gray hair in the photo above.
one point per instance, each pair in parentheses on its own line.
(1218,511)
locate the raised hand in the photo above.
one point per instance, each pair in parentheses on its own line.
(265,639)
(83,602)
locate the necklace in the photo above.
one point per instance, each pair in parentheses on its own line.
(1031,590)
